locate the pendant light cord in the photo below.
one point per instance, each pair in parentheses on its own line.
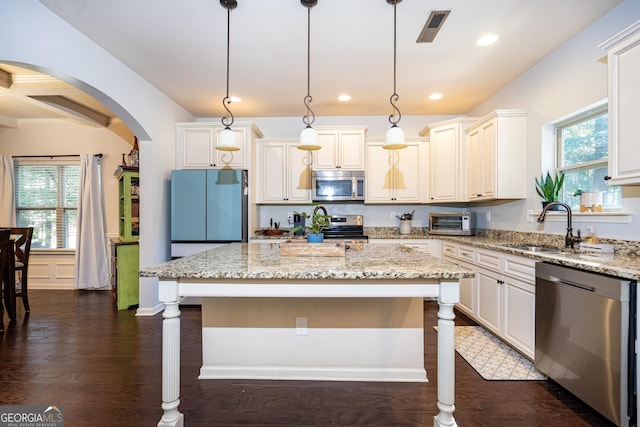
(395,97)
(310,117)
(227,120)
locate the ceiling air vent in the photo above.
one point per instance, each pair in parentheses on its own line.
(432,26)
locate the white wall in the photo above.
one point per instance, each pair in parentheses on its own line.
(65,138)
(43,41)
(568,80)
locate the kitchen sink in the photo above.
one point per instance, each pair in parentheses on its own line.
(532,248)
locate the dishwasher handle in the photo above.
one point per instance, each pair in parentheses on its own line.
(569,283)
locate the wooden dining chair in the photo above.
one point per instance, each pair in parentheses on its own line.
(7,276)
(22,248)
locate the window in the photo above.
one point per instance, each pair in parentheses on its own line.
(46,195)
(583,152)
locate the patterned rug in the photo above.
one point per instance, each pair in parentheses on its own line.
(492,358)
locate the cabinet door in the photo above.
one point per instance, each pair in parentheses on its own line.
(188,205)
(127,260)
(379,175)
(443,160)
(489,308)
(519,315)
(327,156)
(351,150)
(407,180)
(273,176)
(298,175)
(197,147)
(624,92)
(475,164)
(231,159)
(468,292)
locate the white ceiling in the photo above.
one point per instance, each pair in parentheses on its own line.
(180,47)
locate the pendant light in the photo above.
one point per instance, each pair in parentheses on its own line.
(227,138)
(395,135)
(308,136)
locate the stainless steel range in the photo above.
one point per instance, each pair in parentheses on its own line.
(346,228)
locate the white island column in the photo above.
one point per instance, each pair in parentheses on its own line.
(448,296)
(168,295)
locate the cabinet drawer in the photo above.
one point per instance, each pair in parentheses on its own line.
(465,254)
(488,259)
(520,268)
(449,250)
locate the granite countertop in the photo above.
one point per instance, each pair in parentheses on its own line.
(263,261)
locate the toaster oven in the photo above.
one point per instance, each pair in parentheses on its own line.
(451,223)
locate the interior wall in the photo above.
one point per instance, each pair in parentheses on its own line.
(568,80)
(65,138)
(43,41)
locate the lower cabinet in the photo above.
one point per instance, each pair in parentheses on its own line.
(501,296)
(124,273)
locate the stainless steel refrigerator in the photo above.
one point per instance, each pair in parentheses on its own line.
(209,206)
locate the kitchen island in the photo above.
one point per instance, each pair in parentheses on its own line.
(354,317)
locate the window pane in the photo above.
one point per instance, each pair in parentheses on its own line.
(44,226)
(37,186)
(70,220)
(70,180)
(585,141)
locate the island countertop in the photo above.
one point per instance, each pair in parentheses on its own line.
(259,261)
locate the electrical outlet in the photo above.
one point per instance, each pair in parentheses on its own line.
(290,218)
(488,216)
(392,215)
(301,326)
(530,215)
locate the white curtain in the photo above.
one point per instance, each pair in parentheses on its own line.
(92,265)
(7,201)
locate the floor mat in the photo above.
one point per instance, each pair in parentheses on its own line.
(492,358)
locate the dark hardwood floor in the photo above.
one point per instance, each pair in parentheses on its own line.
(103,366)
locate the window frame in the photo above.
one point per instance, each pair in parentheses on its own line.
(60,209)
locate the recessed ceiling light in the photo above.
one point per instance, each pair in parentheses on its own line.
(486,40)
(235,99)
(344,97)
(435,96)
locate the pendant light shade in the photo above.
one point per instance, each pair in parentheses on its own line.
(227,139)
(395,135)
(308,136)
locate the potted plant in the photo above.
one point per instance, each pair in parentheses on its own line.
(319,221)
(549,187)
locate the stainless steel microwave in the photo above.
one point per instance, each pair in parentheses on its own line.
(451,223)
(337,185)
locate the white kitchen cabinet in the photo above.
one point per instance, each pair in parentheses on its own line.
(396,176)
(340,148)
(284,172)
(447,169)
(623,57)
(196,142)
(501,296)
(496,156)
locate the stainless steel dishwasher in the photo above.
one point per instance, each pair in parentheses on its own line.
(586,337)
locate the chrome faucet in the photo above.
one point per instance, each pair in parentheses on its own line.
(569,239)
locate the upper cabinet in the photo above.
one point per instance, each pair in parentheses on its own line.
(196,142)
(396,176)
(446,160)
(341,148)
(284,172)
(623,58)
(496,156)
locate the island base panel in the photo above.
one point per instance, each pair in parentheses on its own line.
(347,339)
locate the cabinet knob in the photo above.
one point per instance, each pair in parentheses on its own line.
(607,178)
